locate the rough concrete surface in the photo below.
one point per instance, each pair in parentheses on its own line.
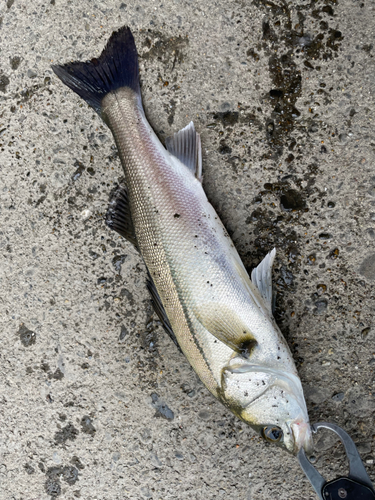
(95,401)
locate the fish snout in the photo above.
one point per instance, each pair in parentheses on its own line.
(302,437)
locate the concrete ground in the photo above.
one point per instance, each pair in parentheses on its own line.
(95,401)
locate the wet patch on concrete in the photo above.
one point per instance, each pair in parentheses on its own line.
(28,92)
(292,200)
(67,433)
(27,336)
(76,462)
(67,473)
(87,426)
(56,375)
(169,50)
(162,409)
(29,469)
(4,81)
(367,267)
(170,108)
(292,43)
(15,62)
(169,53)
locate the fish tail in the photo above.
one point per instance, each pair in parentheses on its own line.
(116,67)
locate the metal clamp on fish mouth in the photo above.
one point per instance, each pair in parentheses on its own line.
(356,486)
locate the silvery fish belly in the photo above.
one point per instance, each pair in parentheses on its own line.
(220,318)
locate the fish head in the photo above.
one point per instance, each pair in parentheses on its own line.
(271,401)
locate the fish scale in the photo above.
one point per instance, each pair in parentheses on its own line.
(160,235)
(221,319)
(174,248)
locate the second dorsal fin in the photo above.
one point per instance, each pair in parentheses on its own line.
(261,276)
(186,146)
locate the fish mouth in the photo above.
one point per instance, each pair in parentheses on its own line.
(302,436)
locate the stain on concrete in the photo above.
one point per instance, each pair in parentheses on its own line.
(288,46)
(67,473)
(4,82)
(87,426)
(169,50)
(15,62)
(162,409)
(27,336)
(29,469)
(67,433)
(76,461)
(56,375)
(367,268)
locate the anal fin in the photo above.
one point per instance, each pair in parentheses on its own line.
(119,216)
(159,309)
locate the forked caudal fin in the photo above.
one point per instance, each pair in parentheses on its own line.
(116,67)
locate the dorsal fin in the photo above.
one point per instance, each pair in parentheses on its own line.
(159,309)
(186,146)
(261,276)
(119,216)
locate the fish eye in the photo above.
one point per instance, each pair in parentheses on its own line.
(272,433)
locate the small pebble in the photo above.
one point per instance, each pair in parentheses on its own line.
(85,214)
(31,73)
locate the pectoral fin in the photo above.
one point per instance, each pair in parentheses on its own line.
(223,323)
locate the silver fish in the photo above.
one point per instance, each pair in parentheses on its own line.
(221,318)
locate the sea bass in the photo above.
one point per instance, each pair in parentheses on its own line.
(219,317)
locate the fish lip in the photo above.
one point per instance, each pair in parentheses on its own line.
(302,436)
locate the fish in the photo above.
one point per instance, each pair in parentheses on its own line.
(220,318)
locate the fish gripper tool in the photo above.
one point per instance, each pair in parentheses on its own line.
(355,486)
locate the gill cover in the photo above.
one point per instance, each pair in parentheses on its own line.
(269,399)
